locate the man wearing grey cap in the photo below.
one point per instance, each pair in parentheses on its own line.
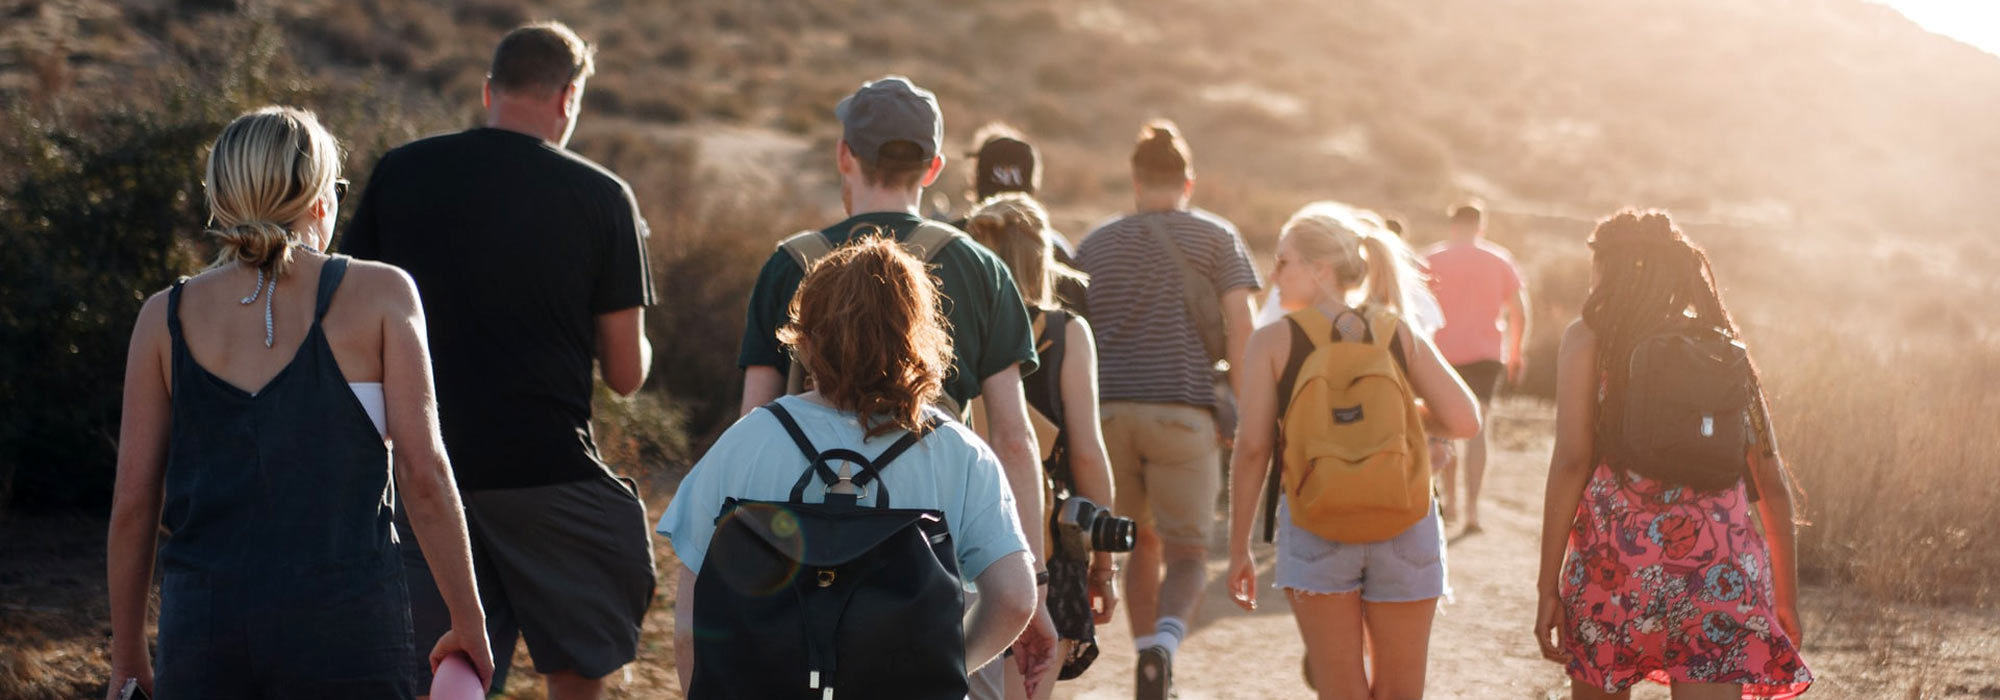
(889,151)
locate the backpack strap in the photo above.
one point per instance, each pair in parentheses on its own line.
(806,248)
(929,239)
(865,470)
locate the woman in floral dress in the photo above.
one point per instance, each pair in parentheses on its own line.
(1641,578)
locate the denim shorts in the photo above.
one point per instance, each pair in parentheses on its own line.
(1408,567)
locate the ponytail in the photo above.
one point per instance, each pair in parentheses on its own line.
(1386,271)
(266,170)
(1361,254)
(259,244)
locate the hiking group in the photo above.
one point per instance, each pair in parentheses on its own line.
(951,435)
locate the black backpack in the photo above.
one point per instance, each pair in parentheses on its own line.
(1690,397)
(797,599)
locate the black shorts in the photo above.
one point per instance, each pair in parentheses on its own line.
(567,567)
(1483,377)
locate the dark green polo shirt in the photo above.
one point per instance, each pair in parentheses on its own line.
(989,324)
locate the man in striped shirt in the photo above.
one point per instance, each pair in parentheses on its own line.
(1157,385)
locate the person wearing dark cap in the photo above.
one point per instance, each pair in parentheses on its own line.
(1003,161)
(1157,352)
(892,134)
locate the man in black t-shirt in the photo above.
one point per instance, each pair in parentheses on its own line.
(531,262)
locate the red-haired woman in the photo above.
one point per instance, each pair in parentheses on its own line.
(865,322)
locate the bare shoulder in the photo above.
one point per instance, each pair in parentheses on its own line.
(1270,342)
(382,285)
(1079,332)
(152,319)
(1579,342)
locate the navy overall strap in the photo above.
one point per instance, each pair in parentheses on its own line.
(330,275)
(174,310)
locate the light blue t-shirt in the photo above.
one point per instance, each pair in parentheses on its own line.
(950,470)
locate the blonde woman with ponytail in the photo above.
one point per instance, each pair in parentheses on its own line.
(1333,260)
(262,398)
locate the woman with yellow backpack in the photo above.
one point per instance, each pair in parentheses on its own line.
(1346,394)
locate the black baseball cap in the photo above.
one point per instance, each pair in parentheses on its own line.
(1005,164)
(886,110)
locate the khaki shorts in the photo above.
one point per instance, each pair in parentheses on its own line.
(1165,466)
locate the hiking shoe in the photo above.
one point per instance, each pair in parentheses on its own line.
(1155,674)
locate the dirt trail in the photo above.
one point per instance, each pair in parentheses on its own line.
(1480,645)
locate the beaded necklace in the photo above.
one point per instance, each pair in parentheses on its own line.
(269,293)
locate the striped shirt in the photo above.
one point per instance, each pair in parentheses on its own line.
(1147,347)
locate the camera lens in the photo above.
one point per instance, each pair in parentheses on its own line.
(1112,534)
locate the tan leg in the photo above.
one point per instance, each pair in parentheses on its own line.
(1331,627)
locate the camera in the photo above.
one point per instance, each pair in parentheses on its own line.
(1088,526)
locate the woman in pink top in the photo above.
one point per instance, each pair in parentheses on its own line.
(1476,282)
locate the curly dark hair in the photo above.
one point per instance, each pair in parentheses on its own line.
(866,325)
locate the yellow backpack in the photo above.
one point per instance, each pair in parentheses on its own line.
(1356,465)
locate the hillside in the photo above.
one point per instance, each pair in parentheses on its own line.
(1808,115)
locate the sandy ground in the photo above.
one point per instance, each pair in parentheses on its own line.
(53,627)
(1482,645)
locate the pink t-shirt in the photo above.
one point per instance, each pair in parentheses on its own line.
(1473,283)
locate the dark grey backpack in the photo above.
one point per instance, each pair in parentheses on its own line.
(1689,399)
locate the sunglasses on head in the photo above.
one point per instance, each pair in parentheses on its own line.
(339,190)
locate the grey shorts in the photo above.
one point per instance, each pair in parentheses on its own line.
(1408,567)
(566,567)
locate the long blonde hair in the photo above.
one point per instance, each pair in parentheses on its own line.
(1016,227)
(265,171)
(1363,254)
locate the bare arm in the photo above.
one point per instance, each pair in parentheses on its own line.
(423,475)
(1007,594)
(1451,411)
(1256,430)
(1774,509)
(1013,441)
(623,354)
(1571,462)
(1517,333)
(762,384)
(684,628)
(1087,461)
(1238,319)
(1250,461)
(143,430)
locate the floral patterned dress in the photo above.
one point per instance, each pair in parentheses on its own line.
(1674,585)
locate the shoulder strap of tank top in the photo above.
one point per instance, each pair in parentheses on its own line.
(174,310)
(330,275)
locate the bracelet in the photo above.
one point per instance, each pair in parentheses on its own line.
(1042,577)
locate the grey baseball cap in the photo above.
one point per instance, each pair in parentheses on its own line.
(888,109)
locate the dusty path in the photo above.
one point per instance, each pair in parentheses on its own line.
(1480,646)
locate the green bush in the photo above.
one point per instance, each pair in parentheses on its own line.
(94,223)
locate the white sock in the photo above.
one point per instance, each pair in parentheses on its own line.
(1142,642)
(1168,633)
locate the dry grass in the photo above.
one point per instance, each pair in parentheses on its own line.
(1881,356)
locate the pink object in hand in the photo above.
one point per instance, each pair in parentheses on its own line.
(455,680)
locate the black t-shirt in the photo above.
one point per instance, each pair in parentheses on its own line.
(516,246)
